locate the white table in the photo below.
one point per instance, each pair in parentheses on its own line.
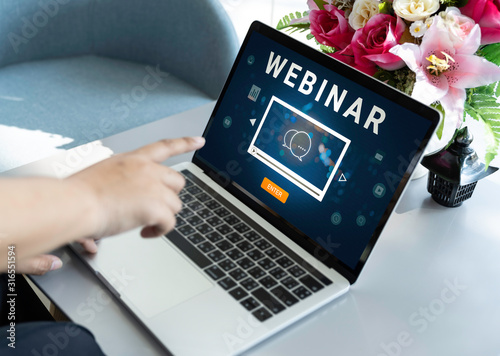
(430,287)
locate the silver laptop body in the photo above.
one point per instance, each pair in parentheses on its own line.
(198,302)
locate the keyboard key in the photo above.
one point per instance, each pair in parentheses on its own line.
(204,213)
(238,293)
(216,256)
(195,205)
(196,239)
(311,283)
(266,263)
(296,271)
(215,272)
(227,283)
(212,204)
(250,304)
(252,236)
(244,246)
(234,237)
(224,245)
(186,230)
(268,300)
(206,247)
(186,198)
(222,212)
(277,273)
(195,220)
(224,229)
(274,253)
(188,183)
(241,228)
(238,274)
(186,213)
(234,254)
(245,263)
(227,265)
(203,197)
(262,244)
(290,283)
(214,221)
(204,229)
(194,190)
(262,314)
(231,220)
(179,221)
(284,296)
(268,282)
(316,274)
(255,254)
(188,249)
(249,284)
(256,272)
(301,292)
(213,237)
(284,262)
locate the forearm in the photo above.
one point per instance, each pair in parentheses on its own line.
(40,214)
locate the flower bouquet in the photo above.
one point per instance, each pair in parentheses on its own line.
(444,53)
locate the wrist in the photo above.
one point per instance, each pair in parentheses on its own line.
(92,220)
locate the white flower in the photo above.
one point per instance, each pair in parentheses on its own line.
(458,25)
(362,11)
(415,10)
(418,28)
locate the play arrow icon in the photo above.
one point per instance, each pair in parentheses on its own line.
(252,121)
(342,178)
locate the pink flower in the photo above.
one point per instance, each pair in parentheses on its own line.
(371,44)
(458,25)
(347,56)
(444,71)
(330,27)
(486,13)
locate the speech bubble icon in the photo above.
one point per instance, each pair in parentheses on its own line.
(300,144)
(288,138)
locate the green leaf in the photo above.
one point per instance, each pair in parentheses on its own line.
(455,3)
(320,3)
(482,105)
(326,49)
(492,53)
(385,7)
(285,23)
(439,131)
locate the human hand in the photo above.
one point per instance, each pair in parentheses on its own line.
(133,189)
(38,265)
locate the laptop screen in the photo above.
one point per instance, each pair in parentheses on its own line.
(317,148)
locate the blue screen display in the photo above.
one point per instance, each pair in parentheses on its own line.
(336,150)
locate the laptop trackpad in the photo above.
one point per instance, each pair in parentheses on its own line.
(149,273)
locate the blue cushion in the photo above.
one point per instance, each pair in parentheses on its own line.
(91,97)
(72,71)
(194,40)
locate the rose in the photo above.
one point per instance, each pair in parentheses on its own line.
(330,27)
(457,25)
(415,10)
(486,13)
(371,44)
(347,56)
(362,11)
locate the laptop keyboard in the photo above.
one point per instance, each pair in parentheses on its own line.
(256,269)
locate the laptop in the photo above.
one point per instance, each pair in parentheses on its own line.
(305,159)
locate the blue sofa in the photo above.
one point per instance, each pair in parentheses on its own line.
(73,71)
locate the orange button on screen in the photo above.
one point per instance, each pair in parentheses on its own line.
(274,190)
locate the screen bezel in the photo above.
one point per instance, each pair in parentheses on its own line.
(312,247)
